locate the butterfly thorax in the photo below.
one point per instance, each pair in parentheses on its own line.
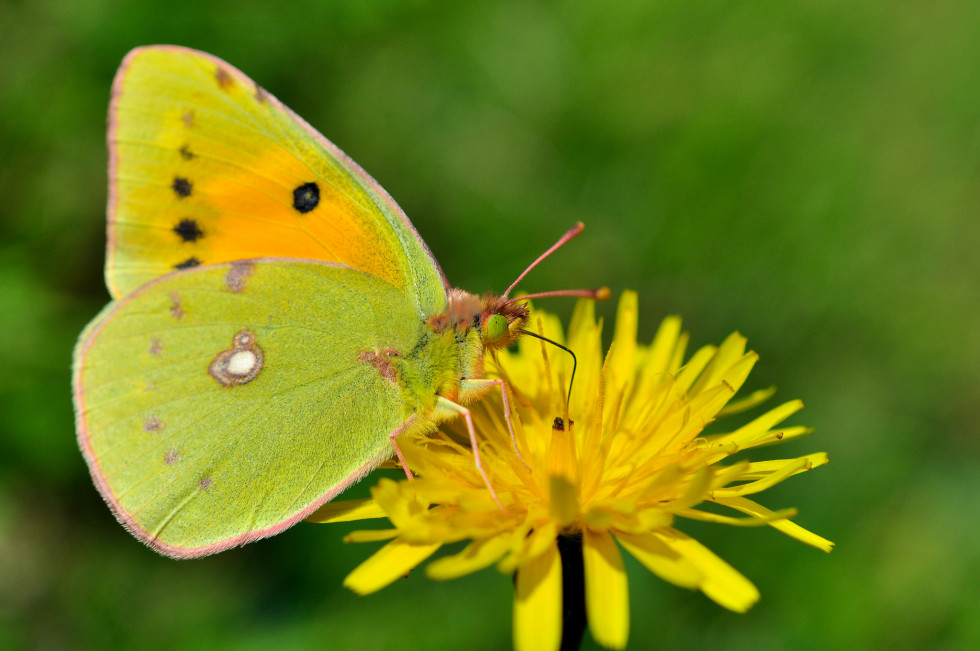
(452,348)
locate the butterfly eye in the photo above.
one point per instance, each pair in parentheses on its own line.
(496,327)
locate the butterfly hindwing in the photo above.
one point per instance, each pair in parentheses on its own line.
(224,403)
(207,167)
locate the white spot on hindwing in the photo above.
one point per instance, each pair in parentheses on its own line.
(239,364)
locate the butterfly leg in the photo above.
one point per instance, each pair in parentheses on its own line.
(482,385)
(398,451)
(449,405)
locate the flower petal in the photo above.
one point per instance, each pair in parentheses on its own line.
(346,511)
(705,516)
(622,362)
(477,555)
(528,543)
(564,504)
(760,469)
(748,402)
(789,469)
(721,582)
(660,559)
(747,435)
(371,535)
(538,604)
(664,347)
(791,529)
(392,561)
(606,590)
(730,354)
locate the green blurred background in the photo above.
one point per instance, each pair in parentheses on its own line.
(807,173)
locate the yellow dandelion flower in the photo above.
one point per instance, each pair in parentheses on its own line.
(614,471)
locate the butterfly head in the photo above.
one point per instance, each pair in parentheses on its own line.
(497,321)
(502,321)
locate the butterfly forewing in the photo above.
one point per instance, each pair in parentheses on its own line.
(206,167)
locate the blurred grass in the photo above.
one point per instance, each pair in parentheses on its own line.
(807,173)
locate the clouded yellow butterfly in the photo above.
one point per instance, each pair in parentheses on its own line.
(276,320)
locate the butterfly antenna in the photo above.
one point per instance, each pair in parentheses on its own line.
(597,294)
(568,398)
(574,232)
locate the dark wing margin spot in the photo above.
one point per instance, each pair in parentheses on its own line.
(176,307)
(188,263)
(237,276)
(188,230)
(223,78)
(306,197)
(182,187)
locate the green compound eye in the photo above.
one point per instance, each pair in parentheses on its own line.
(496,327)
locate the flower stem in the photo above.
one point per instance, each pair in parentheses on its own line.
(573,615)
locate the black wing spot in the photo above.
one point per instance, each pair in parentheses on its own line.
(306,197)
(188,263)
(182,187)
(186,153)
(188,230)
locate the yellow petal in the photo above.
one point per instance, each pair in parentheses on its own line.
(606,590)
(782,435)
(760,469)
(660,559)
(538,604)
(663,346)
(748,402)
(531,544)
(476,556)
(696,490)
(346,511)
(371,535)
(622,363)
(721,582)
(791,529)
(398,501)
(746,435)
(704,516)
(768,481)
(690,371)
(564,504)
(731,351)
(392,561)
(736,375)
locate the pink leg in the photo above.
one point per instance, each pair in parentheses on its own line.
(477,459)
(510,423)
(398,451)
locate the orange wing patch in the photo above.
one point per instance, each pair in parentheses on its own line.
(211,169)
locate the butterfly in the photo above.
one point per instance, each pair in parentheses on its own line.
(276,321)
